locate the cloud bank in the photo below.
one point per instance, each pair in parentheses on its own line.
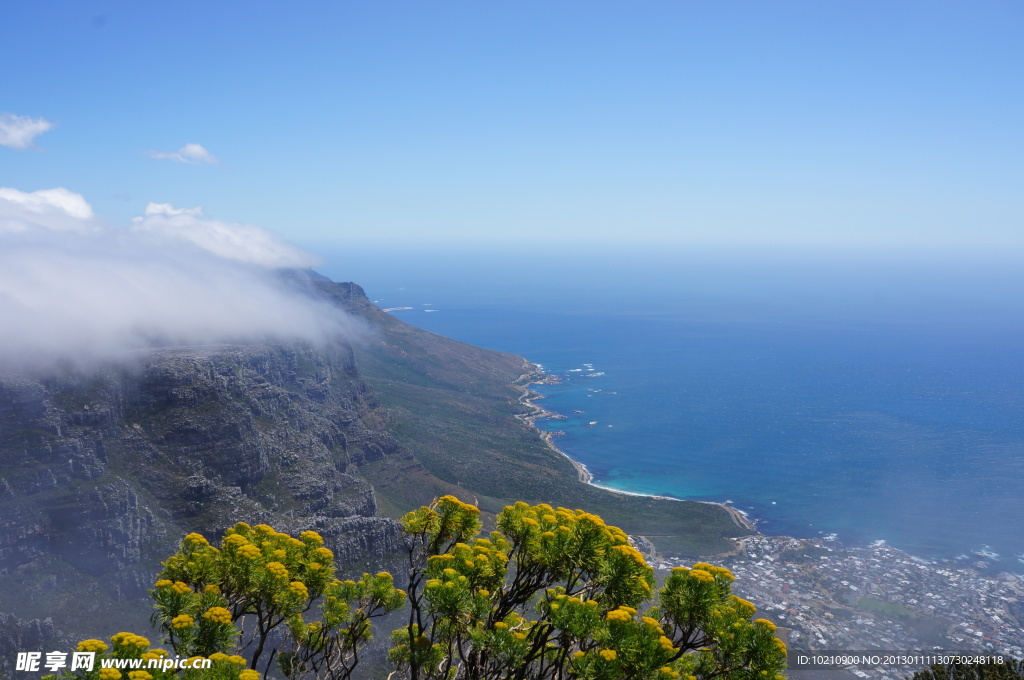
(230,240)
(190,153)
(17,132)
(51,209)
(74,290)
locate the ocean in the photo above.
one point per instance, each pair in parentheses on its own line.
(875,398)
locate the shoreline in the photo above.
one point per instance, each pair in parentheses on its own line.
(804,609)
(739,517)
(527,399)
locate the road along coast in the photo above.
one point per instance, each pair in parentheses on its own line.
(537,412)
(528,399)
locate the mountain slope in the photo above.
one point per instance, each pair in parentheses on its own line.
(450,405)
(101,474)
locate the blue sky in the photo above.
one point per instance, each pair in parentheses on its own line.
(868,124)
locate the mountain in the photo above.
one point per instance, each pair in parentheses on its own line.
(102,473)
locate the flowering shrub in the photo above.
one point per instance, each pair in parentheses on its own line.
(260,580)
(556,593)
(128,647)
(552,593)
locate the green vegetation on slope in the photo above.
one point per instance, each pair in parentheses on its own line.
(553,594)
(452,407)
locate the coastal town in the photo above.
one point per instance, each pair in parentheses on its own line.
(842,600)
(827,597)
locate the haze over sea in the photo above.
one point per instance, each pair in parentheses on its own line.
(868,395)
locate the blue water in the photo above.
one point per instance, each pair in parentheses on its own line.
(879,410)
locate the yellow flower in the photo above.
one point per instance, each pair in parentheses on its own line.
(182,621)
(129,640)
(249,552)
(140,675)
(743,607)
(618,615)
(237,660)
(577,654)
(235,540)
(92,646)
(218,615)
(181,588)
(716,571)
(702,575)
(249,674)
(110,674)
(277,570)
(608,654)
(299,589)
(766,623)
(196,539)
(323,554)
(212,588)
(666,644)
(631,552)
(163,583)
(311,537)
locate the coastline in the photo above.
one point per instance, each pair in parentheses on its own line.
(537,412)
(528,397)
(791,593)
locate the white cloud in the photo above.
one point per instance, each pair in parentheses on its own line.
(53,209)
(231,240)
(95,293)
(190,153)
(17,132)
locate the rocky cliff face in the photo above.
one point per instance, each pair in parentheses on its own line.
(102,473)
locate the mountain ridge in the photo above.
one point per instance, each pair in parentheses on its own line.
(101,473)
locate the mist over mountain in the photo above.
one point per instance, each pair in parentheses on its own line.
(78,291)
(186,373)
